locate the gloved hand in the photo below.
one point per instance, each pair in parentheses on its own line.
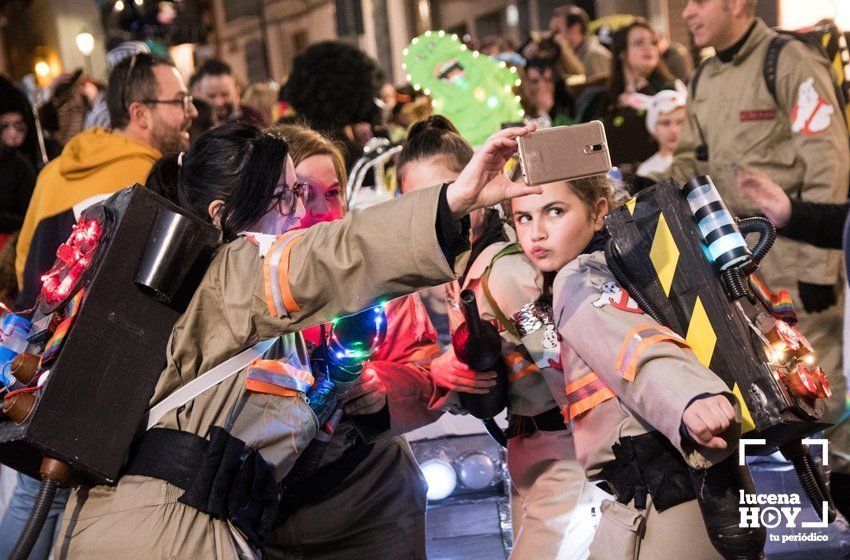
(817,297)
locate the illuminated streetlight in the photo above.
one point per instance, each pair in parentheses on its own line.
(119,6)
(42,69)
(85,42)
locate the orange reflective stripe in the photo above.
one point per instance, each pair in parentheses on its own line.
(587,403)
(513,358)
(581,382)
(274,302)
(585,393)
(283,276)
(257,386)
(531,368)
(268,289)
(637,341)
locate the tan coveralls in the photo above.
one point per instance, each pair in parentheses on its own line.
(378,511)
(551,499)
(801,144)
(627,375)
(306,278)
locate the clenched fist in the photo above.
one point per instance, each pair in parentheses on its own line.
(708,417)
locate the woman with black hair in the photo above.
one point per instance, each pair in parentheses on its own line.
(203,482)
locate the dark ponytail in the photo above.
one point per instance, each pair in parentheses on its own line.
(164,177)
(434,136)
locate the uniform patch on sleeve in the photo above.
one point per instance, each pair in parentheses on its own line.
(277,378)
(638,341)
(811,113)
(279,298)
(619,298)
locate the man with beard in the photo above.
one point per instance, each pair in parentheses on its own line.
(151,111)
(214,83)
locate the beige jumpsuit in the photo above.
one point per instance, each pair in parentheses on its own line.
(306,278)
(554,507)
(627,375)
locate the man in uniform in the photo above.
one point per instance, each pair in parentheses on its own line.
(737,130)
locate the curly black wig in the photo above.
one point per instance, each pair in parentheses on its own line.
(333,84)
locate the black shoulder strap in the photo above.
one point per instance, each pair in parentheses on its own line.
(771,66)
(771,62)
(695,77)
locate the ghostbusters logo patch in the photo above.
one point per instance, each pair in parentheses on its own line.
(617,297)
(812,113)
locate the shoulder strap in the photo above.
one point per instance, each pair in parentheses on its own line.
(695,77)
(207,380)
(771,67)
(511,249)
(771,62)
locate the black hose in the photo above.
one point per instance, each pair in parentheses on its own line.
(612,257)
(810,479)
(766,231)
(717,489)
(733,283)
(496,432)
(35,522)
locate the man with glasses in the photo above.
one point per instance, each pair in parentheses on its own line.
(151,111)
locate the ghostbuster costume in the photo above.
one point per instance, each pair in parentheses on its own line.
(551,499)
(367,497)
(799,139)
(203,483)
(629,381)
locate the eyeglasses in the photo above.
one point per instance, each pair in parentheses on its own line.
(186,101)
(129,75)
(286,198)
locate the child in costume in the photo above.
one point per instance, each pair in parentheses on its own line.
(665,118)
(643,409)
(551,499)
(203,482)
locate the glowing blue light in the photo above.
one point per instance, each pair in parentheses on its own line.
(492,102)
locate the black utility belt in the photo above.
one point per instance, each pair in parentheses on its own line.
(219,477)
(647,464)
(550,421)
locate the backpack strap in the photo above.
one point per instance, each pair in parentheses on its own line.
(511,249)
(771,67)
(695,78)
(702,149)
(771,62)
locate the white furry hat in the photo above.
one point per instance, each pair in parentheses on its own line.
(656,105)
